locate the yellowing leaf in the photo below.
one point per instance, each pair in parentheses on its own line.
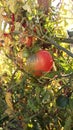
(1,4)
(12,5)
(9,100)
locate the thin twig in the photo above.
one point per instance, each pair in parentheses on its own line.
(65,40)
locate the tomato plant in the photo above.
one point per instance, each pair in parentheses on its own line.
(36,68)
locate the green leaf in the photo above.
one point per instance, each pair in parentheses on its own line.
(13,5)
(71,104)
(38,94)
(68,123)
(2,106)
(62,101)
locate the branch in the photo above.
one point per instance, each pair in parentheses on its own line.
(67,75)
(58,46)
(53,42)
(65,40)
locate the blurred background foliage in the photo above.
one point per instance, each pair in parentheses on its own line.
(28,102)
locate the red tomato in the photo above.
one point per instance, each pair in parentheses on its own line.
(40,62)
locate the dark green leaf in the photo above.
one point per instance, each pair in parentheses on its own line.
(62,101)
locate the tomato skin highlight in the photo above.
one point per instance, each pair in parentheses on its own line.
(40,62)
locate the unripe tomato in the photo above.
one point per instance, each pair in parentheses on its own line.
(39,63)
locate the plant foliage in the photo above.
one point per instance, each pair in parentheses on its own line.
(28,102)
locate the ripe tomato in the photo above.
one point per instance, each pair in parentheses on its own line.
(40,62)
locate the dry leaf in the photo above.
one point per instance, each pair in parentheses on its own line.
(8,99)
